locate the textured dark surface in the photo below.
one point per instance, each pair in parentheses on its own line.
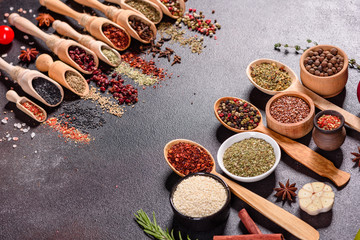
(50,189)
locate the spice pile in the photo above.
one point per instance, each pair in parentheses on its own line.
(328,122)
(238,114)
(141,79)
(249,157)
(75,81)
(145,8)
(141,28)
(324,63)
(67,132)
(270,76)
(35,110)
(80,57)
(289,109)
(47,90)
(199,196)
(111,56)
(188,158)
(173,6)
(116,35)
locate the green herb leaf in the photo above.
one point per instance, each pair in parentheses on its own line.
(309,40)
(286,45)
(297,47)
(357,237)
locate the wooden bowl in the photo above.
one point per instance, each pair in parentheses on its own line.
(278,64)
(291,130)
(325,86)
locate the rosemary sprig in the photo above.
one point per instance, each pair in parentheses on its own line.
(298,49)
(153,229)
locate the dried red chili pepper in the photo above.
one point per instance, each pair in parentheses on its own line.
(328,122)
(188,158)
(116,35)
(39,115)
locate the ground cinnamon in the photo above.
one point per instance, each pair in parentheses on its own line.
(277,236)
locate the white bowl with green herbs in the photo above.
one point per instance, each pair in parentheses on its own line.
(249,156)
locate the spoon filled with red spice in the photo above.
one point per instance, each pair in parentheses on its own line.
(196,158)
(27,106)
(241,109)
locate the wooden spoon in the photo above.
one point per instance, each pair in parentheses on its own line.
(12,96)
(96,46)
(121,17)
(92,24)
(321,103)
(57,72)
(284,219)
(166,10)
(59,46)
(24,78)
(296,150)
(123,4)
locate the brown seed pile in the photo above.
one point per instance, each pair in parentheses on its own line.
(289,109)
(142,28)
(324,63)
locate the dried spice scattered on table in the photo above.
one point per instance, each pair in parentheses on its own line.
(239,114)
(155,49)
(104,102)
(357,156)
(188,158)
(45,19)
(286,191)
(173,6)
(176,35)
(289,109)
(28,55)
(67,132)
(197,22)
(140,78)
(270,76)
(249,157)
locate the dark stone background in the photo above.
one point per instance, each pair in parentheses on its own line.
(68,191)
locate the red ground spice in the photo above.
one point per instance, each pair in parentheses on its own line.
(329,122)
(39,115)
(67,132)
(188,158)
(116,35)
(147,67)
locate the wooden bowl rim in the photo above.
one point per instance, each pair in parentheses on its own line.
(175,141)
(325,47)
(303,96)
(279,64)
(216,105)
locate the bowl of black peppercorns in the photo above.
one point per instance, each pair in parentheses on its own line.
(324,70)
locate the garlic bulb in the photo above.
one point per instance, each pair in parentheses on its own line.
(316,197)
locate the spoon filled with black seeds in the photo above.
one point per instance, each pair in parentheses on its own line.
(47,90)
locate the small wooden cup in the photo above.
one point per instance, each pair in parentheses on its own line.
(291,130)
(325,86)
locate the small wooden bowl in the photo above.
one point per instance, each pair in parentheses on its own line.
(325,86)
(329,140)
(291,130)
(278,64)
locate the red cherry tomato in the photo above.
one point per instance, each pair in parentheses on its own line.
(6,34)
(358,92)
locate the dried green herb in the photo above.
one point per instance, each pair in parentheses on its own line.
(109,54)
(249,157)
(145,8)
(136,75)
(271,77)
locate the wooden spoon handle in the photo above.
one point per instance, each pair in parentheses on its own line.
(26,26)
(323,104)
(284,219)
(309,158)
(6,66)
(61,8)
(12,96)
(65,29)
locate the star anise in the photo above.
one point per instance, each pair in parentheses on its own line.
(357,156)
(286,191)
(45,19)
(28,55)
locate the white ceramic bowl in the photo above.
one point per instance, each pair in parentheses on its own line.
(241,136)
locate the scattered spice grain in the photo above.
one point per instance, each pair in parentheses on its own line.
(249,157)
(145,8)
(173,6)
(140,78)
(328,122)
(239,114)
(188,158)
(271,77)
(75,81)
(289,109)
(199,196)
(47,90)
